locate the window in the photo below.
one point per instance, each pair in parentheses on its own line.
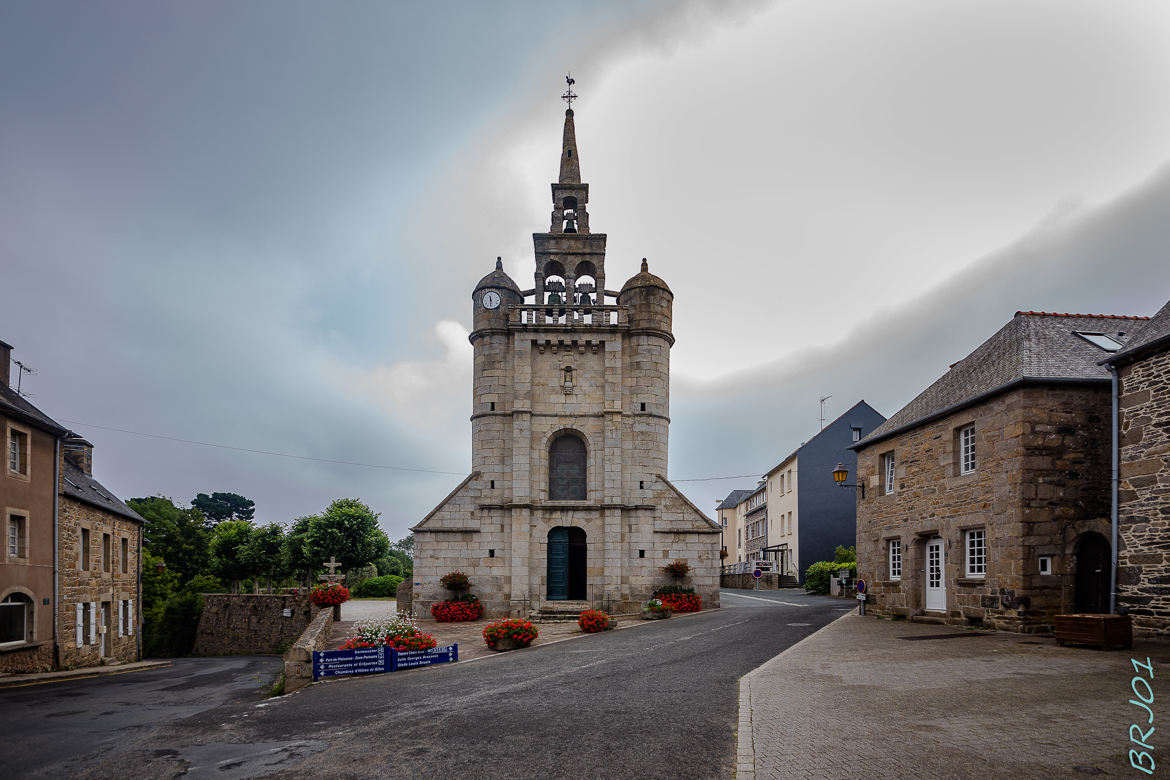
(856,433)
(17,536)
(15,618)
(85,549)
(789,480)
(789,522)
(781,484)
(1045,563)
(125,555)
(967,450)
(888,472)
(976,553)
(895,559)
(1107,343)
(105,552)
(17,451)
(566,469)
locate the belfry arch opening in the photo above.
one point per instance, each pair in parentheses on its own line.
(568,560)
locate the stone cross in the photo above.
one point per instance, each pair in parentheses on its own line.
(332,566)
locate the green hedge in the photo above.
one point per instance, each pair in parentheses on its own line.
(672,590)
(816,577)
(377,587)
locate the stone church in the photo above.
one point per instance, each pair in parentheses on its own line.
(567,505)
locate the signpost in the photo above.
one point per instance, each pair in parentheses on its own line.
(757,574)
(861,596)
(376,660)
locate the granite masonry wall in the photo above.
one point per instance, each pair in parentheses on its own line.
(100,617)
(1144,498)
(243,624)
(1040,484)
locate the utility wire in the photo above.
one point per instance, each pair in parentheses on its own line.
(264,452)
(326,460)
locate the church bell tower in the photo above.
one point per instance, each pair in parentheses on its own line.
(568,502)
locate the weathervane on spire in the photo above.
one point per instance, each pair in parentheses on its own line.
(569,95)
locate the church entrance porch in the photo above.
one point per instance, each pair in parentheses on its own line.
(567,562)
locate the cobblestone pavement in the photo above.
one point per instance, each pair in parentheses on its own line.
(857,700)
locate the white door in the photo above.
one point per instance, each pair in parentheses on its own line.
(936,588)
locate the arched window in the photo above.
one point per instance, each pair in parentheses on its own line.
(15,618)
(566,469)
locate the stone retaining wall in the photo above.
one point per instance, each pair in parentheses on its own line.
(298,661)
(748,582)
(242,624)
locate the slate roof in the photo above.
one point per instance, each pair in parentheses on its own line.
(14,404)
(734,498)
(1147,337)
(77,485)
(1033,346)
(836,420)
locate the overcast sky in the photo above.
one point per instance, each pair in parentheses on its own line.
(258,225)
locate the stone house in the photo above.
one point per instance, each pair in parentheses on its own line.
(28,491)
(1143,496)
(567,504)
(70,579)
(985,500)
(100,549)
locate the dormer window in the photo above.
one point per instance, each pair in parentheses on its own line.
(1107,343)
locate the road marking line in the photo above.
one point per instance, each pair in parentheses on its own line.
(768,601)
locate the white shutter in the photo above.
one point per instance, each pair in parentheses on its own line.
(131,617)
(80,636)
(93,622)
(121,607)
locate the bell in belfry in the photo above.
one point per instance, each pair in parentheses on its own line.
(570,221)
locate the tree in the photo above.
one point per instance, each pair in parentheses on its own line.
(297,559)
(845,554)
(175,535)
(220,507)
(229,544)
(405,545)
(348,530)
(264,553)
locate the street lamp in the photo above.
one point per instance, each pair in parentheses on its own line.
(840,474)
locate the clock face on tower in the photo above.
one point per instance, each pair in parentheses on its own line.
(491,299)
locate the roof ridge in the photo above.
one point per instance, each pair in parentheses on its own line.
(1087,316)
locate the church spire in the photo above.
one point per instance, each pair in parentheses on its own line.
(570,164)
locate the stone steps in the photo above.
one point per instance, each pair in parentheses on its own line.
(937,620)
(559,612)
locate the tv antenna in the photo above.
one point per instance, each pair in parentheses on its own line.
(822,417)
(21,370)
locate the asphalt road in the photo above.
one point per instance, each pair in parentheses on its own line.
(658,700)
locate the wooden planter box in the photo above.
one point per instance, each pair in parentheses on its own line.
(1104,631)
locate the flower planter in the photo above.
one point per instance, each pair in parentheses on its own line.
(1104,631)
(508,643)
(650,614)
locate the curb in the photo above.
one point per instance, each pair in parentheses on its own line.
(44,678)
(745,751)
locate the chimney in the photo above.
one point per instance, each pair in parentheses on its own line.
(79,452)
(5,364)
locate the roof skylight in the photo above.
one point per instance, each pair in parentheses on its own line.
(1107,343)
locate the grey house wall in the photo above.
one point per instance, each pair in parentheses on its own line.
(828,514)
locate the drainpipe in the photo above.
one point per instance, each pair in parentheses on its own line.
(56,550)
(1113,490)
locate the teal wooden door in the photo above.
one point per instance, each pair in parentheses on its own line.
(558,564)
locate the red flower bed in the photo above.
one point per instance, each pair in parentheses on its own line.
(509,628)
(416,642)
(593,620)
(456,611)
(329,594)
(682,602)
(353,643)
